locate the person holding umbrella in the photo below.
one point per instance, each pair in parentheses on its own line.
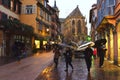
(68,58)
(57,54)
(100,45)
(102,51)
(88,57)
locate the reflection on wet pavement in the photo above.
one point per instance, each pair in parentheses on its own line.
(108,72)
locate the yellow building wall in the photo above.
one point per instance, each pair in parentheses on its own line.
(118,31)
(106,55)
(29,19)
(24,2)
(111,46)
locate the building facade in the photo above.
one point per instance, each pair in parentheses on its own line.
(107,27)
(117,35)
(29,22)
(55,25)
(43,18)
(11,29)
(92,20)
(75,26)
(35,13)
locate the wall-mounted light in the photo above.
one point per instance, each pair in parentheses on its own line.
(47,30)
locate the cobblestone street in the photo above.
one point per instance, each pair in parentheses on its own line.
(41,67)
(108,72)
(28,68)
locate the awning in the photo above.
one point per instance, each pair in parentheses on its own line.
(106,20)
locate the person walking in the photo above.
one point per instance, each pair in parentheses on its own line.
(14,49)
(68,58)
(19,51)
(88,57)
(56,52)
(102,51)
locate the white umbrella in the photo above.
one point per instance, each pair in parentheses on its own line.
(84,46)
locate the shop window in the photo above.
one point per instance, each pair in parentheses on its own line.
(27,40)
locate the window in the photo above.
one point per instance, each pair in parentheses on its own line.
(98,1)
(47,17)
(41,12)
(79,26)
(73,27)
(29,9)
(111,10)
(11,5)
(111,3)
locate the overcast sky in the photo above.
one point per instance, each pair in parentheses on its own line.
(67,6)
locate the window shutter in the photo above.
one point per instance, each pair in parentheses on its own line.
(33,8)
(23,9)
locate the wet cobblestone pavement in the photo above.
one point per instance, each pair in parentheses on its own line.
(28,68)
(108,72)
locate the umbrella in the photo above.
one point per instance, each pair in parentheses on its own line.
(85,45)
(65,45)
(100,42)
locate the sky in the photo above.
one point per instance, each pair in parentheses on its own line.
(67,6)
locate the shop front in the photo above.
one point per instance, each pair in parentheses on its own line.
(14,31)
(41,43)
(118,40)
(107,30)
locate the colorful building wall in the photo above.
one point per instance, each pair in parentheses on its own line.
(29,13)
(117,15)
(109,22)
(37,14)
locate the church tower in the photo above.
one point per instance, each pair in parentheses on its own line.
(75,26)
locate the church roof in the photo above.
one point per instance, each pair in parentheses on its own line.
(75,12)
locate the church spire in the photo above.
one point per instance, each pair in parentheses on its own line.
(56,8)
(55,4)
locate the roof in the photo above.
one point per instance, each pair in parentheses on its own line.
(75,12)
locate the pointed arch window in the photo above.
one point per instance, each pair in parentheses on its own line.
(73,27)
(79,27)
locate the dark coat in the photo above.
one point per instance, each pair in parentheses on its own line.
(88,52)
(68,55)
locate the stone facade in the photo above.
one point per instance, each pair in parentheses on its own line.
(75,26)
